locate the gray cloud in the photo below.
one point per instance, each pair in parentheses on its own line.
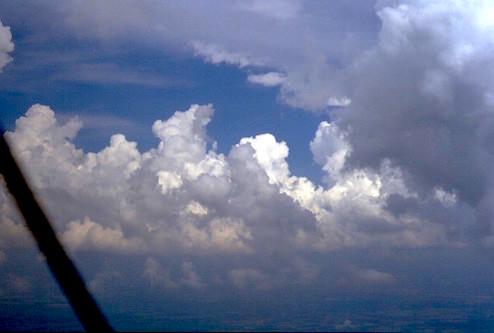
(309,43)
(6,46)
(421,100)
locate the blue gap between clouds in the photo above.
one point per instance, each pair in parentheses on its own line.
(241,109)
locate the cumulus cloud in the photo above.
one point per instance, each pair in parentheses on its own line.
(182,196)
(6,46)
(241,205)
(93,236)
(270,155)
(330,148)
(179,195)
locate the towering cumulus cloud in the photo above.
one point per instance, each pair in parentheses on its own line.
(182,196)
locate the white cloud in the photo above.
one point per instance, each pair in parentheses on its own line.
(271,79)
(339,101)
(35,141)
(6,46)
(168,181)
(196,208)
(182,197)
(90,235)
(216,54)
(120,155)
(219,234)
(230,234)
(330,148)
(270,155)
(446,198)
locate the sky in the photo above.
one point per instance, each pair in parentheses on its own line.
(252,165)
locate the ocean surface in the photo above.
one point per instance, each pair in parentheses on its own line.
(272,312)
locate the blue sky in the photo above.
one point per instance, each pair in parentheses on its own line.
(253,164)
(169,82)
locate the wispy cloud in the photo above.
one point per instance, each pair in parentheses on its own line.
(108,73)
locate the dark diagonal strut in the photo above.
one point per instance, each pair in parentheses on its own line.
(61,266)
